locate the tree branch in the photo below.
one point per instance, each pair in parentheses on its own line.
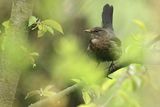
(104,100)
(55,98)
(121,64)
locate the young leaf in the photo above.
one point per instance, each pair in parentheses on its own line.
(49,29)
(140,24)
(34,54)
(40,26)
(136,82)
(42,29)
(86,97)
(76,80)
(6,24)
(88,105)
(41,33)
(53,24)
(34,65)
(107,84)
(32,20)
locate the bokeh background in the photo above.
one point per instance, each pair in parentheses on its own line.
(63,57)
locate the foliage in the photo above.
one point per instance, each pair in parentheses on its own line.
(69,67)
(44,26)
(46,92)
(133,24)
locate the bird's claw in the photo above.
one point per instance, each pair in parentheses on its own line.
(109,77)
(111,67)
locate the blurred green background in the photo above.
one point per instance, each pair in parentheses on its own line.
(63,57)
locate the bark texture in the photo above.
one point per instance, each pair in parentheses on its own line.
(10,70)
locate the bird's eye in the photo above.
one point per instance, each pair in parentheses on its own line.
(96,31)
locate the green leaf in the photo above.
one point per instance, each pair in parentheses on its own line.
(41,33)
(34,54)
(140,24)
(34,65)
(53,24)
(88,105)
(107,84)
(138,38)
(127,49)
(127,85)
(6,24)
(32,20)
(136,82)
(49,29)
(40,26)
(49,87)
(124,95)
(128,99)
(86,97)
(76,80)
(42,29)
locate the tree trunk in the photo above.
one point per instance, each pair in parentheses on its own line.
(9,69)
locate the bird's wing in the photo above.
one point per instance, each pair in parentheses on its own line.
(117,40)
(107,16)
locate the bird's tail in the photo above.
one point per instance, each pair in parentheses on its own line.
(107,16)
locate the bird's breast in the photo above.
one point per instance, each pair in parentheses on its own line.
(98,44)
(104,49)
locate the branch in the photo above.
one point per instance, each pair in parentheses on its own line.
(156,39)
(55,98)
(104,100)
(121,64)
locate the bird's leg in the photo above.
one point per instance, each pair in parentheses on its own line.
(108,76)
(111,67)
(108,67)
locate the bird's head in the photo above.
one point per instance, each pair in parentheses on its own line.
(95,30)
(96,33)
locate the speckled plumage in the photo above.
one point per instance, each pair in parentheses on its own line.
(103,44)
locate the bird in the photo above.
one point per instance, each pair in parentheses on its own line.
(103,43)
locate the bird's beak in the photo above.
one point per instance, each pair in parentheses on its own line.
(88,30)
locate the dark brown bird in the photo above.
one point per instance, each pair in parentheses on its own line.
(103,43)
